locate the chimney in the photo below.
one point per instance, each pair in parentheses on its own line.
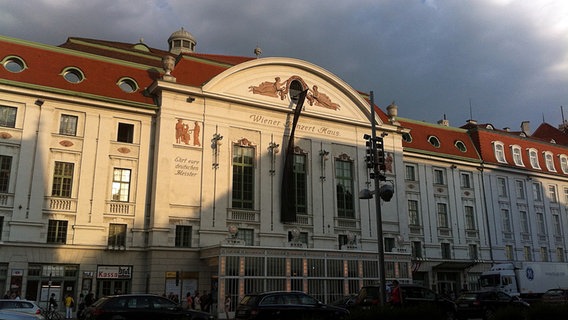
(525,128)
(507,129)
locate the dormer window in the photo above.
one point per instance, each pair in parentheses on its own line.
(564,163)
(461,146)
(434,141)
(533,157)
(499,150)
(549,161)
(407,137)
(517,156)
(73,75)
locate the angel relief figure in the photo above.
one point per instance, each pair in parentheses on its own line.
(320,99)
(272,89)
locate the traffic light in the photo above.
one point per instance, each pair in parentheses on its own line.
(370,151)
(380,153)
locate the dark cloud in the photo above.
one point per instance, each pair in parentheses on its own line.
(508,58)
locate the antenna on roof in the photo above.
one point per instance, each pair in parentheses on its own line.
(543,118)
(562,112)
(470,111)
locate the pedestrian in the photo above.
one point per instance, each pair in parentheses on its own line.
(197,301)
(396,297)
(69,304)
(189,300)
(227,306)
(81,307)
(52,302)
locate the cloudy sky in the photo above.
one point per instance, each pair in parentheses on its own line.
(495,61)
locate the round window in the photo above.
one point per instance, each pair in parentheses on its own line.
(14,64)
(73,75)
(127,85)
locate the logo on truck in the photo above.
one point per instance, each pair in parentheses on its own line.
(530,273)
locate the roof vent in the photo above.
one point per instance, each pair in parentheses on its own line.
(444,122)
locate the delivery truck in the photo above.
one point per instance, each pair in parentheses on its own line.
(528,280)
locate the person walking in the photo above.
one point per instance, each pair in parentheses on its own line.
(227,306)
(396,297)
(69,304)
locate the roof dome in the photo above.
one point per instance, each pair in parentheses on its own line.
(181,41)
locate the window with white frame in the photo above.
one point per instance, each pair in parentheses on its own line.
(506,218)
(520,189)
(533,157)
(517,155)
(410,172)
(540,223)
(413,214)
(564,163)
(509,252)
(117,234)
(465,180)
(537,191)
(566,196)
(469,218)
(68,125)
(527,252)
(502,187)
(552,194)
(439,176)
(121,184)
(8,116)
(525,228)
(5,173)
(443,215)
(247,235)
(549,161)
(499,150)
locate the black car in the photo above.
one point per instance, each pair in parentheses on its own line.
(484,304)
(412,296)
(140,306)
(283,305)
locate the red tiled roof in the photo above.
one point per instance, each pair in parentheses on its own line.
(547,132)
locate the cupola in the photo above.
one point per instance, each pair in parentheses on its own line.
(181,41)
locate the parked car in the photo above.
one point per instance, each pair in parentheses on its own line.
(140,306)
(283,305)
(412,295)
(484,304)
(557,295)
(25,306)
(17,315)
(345,301)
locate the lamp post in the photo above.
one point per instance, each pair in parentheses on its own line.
(385,192)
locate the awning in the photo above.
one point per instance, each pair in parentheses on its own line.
(423,266)
(455,265)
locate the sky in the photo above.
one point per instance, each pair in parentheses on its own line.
(493,61)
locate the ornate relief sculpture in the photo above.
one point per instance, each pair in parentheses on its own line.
(183,133)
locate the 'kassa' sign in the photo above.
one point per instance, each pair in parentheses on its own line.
(114,272)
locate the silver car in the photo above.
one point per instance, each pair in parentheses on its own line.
(16,315)
(25,306)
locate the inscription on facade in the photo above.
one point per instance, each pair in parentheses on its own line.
(300,127)
(186,167)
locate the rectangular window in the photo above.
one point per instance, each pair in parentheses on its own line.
(117,235)
(183,237)
(8,116)
(442,215)
(552,194)
(446,252)
(344,189)
(1,226)
(247,235)
(125,132)
(520,189)
(439,176)
(243,177)
(300,183)
(502,187)
(527,253)
(540,223)
(473,252)
(560,255)
(506,216)
(413,217)
(121,184)
(544,254)
(62,179)
(416,249)
(557,225)
(389,244)
(5,171)
(410,173)
(469,218)
(524,222)
(57,231)
(68,125)
(566,196)
(509,252)
(465,178)
(537,192)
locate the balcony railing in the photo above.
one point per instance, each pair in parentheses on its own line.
(120,208)
(60,204)
(243,215)
(6,200)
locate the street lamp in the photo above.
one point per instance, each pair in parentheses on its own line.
(375,160)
